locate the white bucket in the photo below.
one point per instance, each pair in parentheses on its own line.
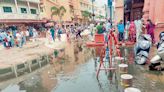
(119,58)
(123,68)
(131,89)
(126,80)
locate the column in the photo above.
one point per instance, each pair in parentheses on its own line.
(159,7)
(152,10)
(39,11)
(38,8)
(29,11)
(146,10)
(16,5)
(158,18)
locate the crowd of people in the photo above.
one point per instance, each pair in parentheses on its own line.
(130,31)
(54,32)
(15,36)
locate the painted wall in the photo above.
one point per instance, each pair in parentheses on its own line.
(47,9)
(153,10)
(119,10)
(67,16)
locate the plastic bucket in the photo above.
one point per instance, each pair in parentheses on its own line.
(131,89)
(126,80)
(123,68)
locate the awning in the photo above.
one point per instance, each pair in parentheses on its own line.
(9,21)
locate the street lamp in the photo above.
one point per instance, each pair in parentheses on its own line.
(110,3)
(93,10)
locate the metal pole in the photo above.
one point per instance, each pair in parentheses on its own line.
(110,3)
(93,10)
(106,15)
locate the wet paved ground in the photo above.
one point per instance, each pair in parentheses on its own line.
(145,80)
(75,72)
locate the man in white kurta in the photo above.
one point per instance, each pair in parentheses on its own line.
(139,25)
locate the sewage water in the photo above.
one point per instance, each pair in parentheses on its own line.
(75,71)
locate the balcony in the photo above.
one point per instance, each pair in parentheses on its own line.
(31,1)
(19,16)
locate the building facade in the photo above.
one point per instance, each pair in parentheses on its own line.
(20,11)
(119,10)
(133,9)
(36,11)
(153,10)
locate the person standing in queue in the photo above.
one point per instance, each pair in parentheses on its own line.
(52,31)
(120,28)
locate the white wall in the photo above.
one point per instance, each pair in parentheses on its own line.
(7,4)
(18,15)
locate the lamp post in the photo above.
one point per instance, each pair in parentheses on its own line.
(93,15)
(110,3)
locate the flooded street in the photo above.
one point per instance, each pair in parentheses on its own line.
(145,80)
(74,70)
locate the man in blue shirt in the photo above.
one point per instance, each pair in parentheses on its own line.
(120,28)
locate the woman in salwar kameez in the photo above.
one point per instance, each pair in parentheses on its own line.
(150,29)
(132,32)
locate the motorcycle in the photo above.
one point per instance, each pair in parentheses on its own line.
(155,61)
(142,48)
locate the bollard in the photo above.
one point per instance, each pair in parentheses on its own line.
(29,66)
(15,71)
(131,89)
(123,68)
(40,65)
(48,60)
(119,59)
(126,80)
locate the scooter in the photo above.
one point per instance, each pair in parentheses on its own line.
(155,61)
(142,48)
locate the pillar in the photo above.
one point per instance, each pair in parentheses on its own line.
(38,9)
(152,10)
(146,10)
(28,4)
(159,18)
(16,5)
(159,7)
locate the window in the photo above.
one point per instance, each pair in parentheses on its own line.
(23,10)
(33,11)
(7,9)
